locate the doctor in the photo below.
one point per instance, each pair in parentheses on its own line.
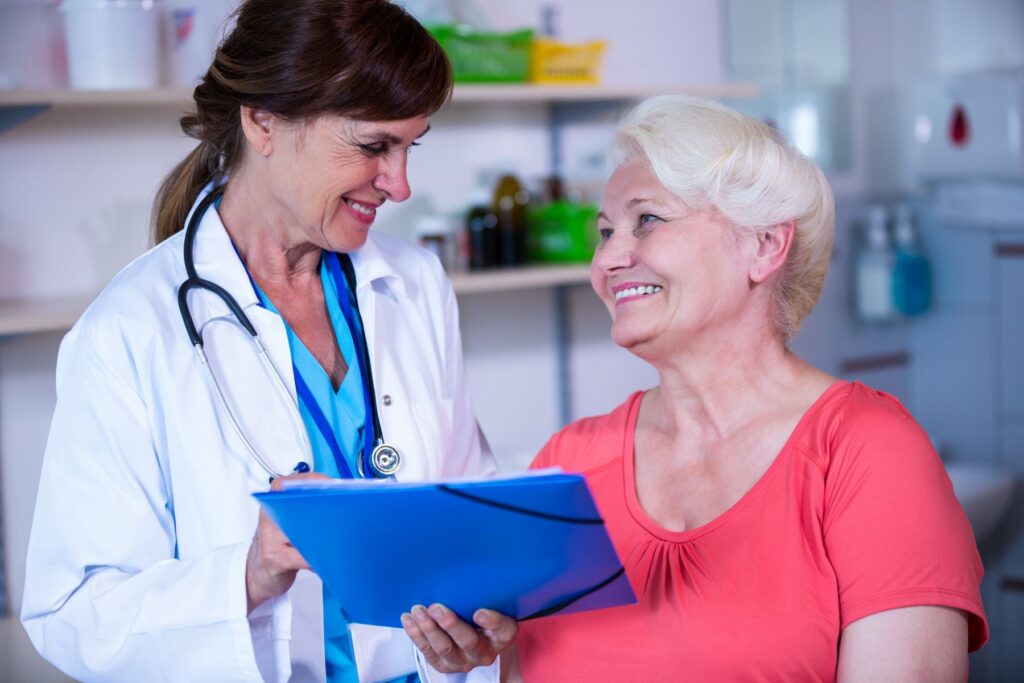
(149,559)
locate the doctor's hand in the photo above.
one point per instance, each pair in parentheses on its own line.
(450,645)
(273,562)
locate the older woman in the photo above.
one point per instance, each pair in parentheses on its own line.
(149,559)
(776,523)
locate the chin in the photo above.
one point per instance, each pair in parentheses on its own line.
(348,241)
(628,338)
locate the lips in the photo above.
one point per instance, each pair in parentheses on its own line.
(634,290)
(362,211)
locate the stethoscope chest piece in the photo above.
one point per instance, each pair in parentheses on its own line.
(385,460)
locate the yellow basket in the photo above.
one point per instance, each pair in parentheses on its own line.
(555,62)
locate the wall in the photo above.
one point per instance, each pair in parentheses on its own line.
(965,370)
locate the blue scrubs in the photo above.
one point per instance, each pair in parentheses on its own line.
(344,417)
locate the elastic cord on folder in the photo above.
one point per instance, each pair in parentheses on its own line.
(554,609)
(524,511)
(543,515)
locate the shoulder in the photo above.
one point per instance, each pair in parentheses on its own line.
(592,442)
(854,417)
(140,299)
(858,433)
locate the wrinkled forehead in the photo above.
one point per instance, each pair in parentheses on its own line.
(633,185)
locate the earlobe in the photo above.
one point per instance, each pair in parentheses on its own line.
(773,245)
(257,125)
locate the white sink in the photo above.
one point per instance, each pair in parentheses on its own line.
(983,491)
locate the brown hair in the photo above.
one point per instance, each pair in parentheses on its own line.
(300,59)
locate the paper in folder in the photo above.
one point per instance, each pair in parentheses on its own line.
(526,546)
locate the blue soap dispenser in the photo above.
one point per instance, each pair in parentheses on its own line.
(912,276)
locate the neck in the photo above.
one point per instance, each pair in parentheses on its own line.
(272,249)
(718,386)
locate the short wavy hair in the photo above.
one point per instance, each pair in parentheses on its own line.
(711,156)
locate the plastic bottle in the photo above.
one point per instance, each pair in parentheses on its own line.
(193,29)
(510,206)
(482,228)
(433,233)
(912,275)
(874,270)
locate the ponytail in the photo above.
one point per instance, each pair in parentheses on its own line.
(179,190)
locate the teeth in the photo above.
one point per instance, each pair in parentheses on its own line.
(643,290)
(368,210)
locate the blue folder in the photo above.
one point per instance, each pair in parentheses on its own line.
(525,546)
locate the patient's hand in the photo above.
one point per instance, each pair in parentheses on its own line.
(451,645)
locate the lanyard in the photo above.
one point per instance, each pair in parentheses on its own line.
(355,326)
(307,398)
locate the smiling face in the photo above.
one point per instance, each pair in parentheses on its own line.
(668,274)
(327,178)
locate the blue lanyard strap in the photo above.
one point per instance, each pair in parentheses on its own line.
(307,398)
(355,326)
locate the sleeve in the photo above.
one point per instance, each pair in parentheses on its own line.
(546,456)
(105,598)
(894,531)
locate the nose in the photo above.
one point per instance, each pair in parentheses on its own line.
(614,253)
(392,180)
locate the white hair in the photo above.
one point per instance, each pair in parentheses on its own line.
(713,157)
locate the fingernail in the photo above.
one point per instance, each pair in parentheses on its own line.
(419,611)
(406,618)
(436,611)
(482,618)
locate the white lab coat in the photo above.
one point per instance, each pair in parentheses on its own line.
(136,562)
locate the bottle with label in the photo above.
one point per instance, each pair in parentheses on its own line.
(510,206)
(482,229)
(873,271)
(912,276)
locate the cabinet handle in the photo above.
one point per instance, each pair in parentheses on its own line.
(1005,250)
(1013,583)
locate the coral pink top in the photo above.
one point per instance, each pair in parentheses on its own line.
(856,515)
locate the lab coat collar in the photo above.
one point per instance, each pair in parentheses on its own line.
(217,261)
(372,264)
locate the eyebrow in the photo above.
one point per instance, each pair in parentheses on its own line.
(631,203)
(394,140)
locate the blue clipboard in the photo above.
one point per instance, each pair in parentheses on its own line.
(526,546)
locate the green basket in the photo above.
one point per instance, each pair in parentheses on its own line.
(563,232)
(483,57)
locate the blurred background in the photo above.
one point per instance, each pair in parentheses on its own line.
(914,108)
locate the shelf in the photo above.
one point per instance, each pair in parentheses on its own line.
(583,93)
(58,315)
(469,94)
(514,279)
(32,317)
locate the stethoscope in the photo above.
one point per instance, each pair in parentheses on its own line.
(378,458)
